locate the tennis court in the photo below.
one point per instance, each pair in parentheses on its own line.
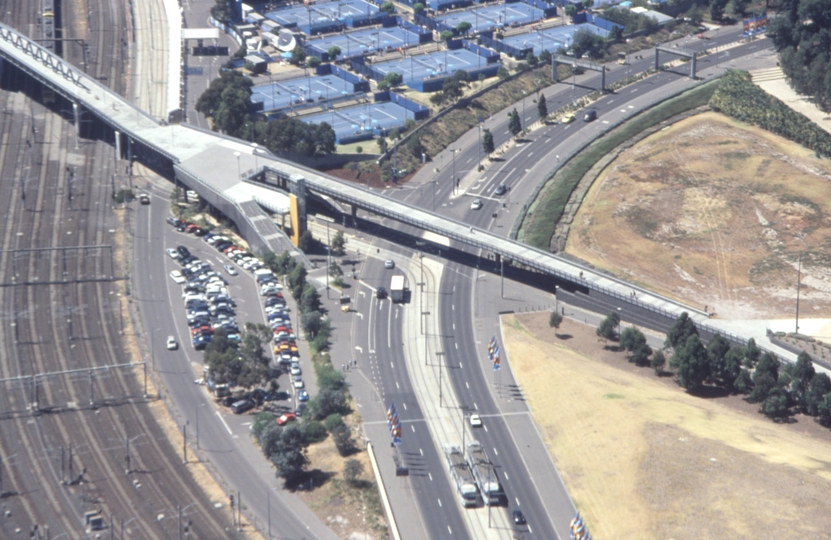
(300,15)
(483,18)
(551,39)
(436,64)
(284,94)
(362,121)
(362,41)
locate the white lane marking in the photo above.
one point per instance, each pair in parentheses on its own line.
(361,315)
(457,345)
(454,326)
(360,350)
(392,366)
(486,427)
(449,530)
(439,501)
(460,365)
(453,307)
(467,385)
(412,427)
(421,452)
(396,385)
(431,476)
(517,500)
(405,406)
(223,423)
(475,406)
(495,452)
(506,475)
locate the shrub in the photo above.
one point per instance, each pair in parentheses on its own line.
(333,422)
(359,149)
(315,431)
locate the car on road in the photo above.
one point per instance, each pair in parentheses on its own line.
(297,381)
(173,221)
(476,204)
(295,370)
(177,277)
(172,345)
(231,270)
(389,264)
(519,519)
(475,420)
(144,198)
(502,189)
(302,396)
(590,115)
(380,292)
(286,418)
(567,119)
(172,253)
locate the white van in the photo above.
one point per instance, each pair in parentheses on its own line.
(263,272)
(189,297)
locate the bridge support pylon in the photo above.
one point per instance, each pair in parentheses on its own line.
(76,112)
(118,154)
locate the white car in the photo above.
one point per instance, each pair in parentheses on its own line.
(475,420)
(295,370)
(230,269)
(389,264)
(298,382)
(476,204)
(172,253)
(177,277)
(171,343)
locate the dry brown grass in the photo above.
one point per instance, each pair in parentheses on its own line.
(643,459)
(716,213)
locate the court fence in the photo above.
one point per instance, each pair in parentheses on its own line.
(487,39)
(420,112)
(548,9)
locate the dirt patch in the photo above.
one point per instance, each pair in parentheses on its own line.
(714,213)
(367,174)
(686,467)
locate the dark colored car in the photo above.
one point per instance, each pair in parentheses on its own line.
(183,251)
(501,190)
(519,519)
(380,292)
(590,115)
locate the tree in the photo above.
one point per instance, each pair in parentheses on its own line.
(222,11)
(695,14)
(824,410)
(382,145)
(333,52)
(587,4)
(659,360)
(387,7)
(730,369)
(393,79)
(310,322)
(739,7)
(717,9)
(487,142)
(463,28)
(383,85)
(571,10)
(768,365)
(762,386)
(633,340)
(751,354)
(312,62)
(335,270)
(744,382)
(352,471)
(680,331)
(514,123)
(555,320)
(502,72)
(232,112)
(418,7)
(338,245)
(446,35)
(306,242)
(802,372)
(545,57)
(290,454)
(584,40)
(640,354)
(820,386)
(297,280)
(310,299)
(693,364)
(269,438)
(775,405)
(344,441)
(530,59)
(261,422)
(298,55)
(328,401)
(607,327)
(542,108)
(415,146)
(717,350)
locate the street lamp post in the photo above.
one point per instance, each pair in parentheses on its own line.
(628,66)
(439,355)
(239,172)
(454,169)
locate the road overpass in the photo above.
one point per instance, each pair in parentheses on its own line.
(223,170)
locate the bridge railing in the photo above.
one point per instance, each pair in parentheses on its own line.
(40,54)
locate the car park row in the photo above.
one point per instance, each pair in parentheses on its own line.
(210,307)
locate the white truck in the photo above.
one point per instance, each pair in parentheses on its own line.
(484,473)
(462,477)
(398,287)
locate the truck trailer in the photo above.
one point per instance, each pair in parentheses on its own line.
(398,287)
(462,477)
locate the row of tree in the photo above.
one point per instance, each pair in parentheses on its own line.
(738,97)
(228,102)
(244,364)
(801,33)
(780,390)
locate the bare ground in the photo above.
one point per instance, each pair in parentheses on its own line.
(643,459)
(714,213)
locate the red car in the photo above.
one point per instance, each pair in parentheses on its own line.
(286,418)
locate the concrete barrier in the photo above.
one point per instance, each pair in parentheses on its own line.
(383,491)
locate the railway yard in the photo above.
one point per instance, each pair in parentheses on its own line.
(81,453)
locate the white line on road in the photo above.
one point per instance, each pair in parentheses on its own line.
(405,406)
(439,503)
(361,315)
(505,474)
(467,385)
(223,423)
(392,366)
(430,476)
(457,345)
(449,530)
(412,427)
(454,326)
(475,406)
(396,385)
(420,451)
(360,350)
(495,452)
(517,501)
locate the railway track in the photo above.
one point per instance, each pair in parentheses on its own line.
(64,436)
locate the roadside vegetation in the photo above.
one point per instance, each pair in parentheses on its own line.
(546,210)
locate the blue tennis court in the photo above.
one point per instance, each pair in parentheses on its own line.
(484,18)
(362,121)
(362,41)
(551,39)
(436,64)
(284,94)
(300,15)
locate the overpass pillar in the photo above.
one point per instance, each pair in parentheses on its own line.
(76,112)
(117,144)
(656,58)
(602,78)
(692,66)
(554,64)
(297,187)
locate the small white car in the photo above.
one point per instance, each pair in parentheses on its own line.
(231,270)
(389,264)
(177,277)
(476,204)
(295,370)
(172,253)
(298,382)
(475,420)
(172,345)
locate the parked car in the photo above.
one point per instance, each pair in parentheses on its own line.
(297,381)
(231,270)
(286,418)
(302,396)
(239,407)
(177,277)
(172,253)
